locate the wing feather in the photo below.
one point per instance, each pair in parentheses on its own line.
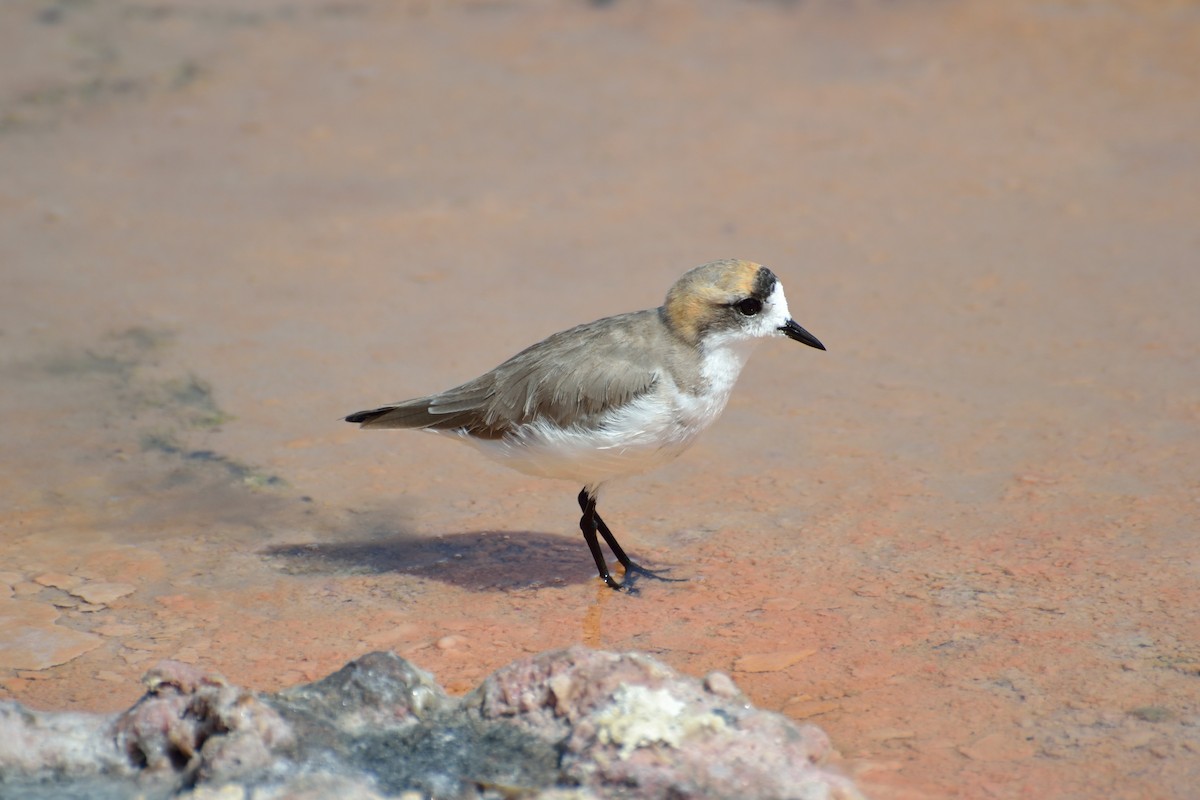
(571,377)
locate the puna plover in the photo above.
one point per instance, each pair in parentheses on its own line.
(613,397)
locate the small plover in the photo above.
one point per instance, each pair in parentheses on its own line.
(613,397)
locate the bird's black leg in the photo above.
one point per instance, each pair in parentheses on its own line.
(625,560)
(587,524)
(593,523)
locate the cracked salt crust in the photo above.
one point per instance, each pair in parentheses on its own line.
(640,717)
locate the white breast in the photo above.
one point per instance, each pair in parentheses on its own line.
(723,359)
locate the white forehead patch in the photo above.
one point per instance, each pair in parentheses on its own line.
(777,302)
(775,314)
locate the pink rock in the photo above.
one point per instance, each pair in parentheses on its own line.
(596,725)
(193,721)
(631,726)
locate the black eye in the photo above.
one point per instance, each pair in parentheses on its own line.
(748,307)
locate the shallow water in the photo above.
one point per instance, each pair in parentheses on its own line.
(961,540)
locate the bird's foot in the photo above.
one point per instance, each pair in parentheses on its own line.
(610,582)
(625,586)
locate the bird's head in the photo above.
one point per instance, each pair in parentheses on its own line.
(731,300)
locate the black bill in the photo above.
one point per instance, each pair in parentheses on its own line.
(794,331)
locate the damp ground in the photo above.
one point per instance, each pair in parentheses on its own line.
(962,541)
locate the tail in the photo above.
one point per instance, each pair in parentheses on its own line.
(463,409)
(414,414)
(366,417)
(439,412)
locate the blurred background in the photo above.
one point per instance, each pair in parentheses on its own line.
(962,540)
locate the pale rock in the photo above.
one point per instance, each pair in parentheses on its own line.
(771,662)
(103,593)
(29,639)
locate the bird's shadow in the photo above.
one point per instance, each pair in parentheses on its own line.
(479,561)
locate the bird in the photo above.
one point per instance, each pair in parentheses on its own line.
(614,397)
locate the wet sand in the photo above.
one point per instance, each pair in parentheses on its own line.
(963,541)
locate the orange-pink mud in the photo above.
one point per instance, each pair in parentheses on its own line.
(963,541)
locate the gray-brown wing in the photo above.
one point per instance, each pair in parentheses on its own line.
(573,376)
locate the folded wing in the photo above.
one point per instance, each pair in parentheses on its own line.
(572,377)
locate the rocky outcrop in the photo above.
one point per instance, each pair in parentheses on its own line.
(573,723)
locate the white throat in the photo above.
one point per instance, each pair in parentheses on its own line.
(722,359)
